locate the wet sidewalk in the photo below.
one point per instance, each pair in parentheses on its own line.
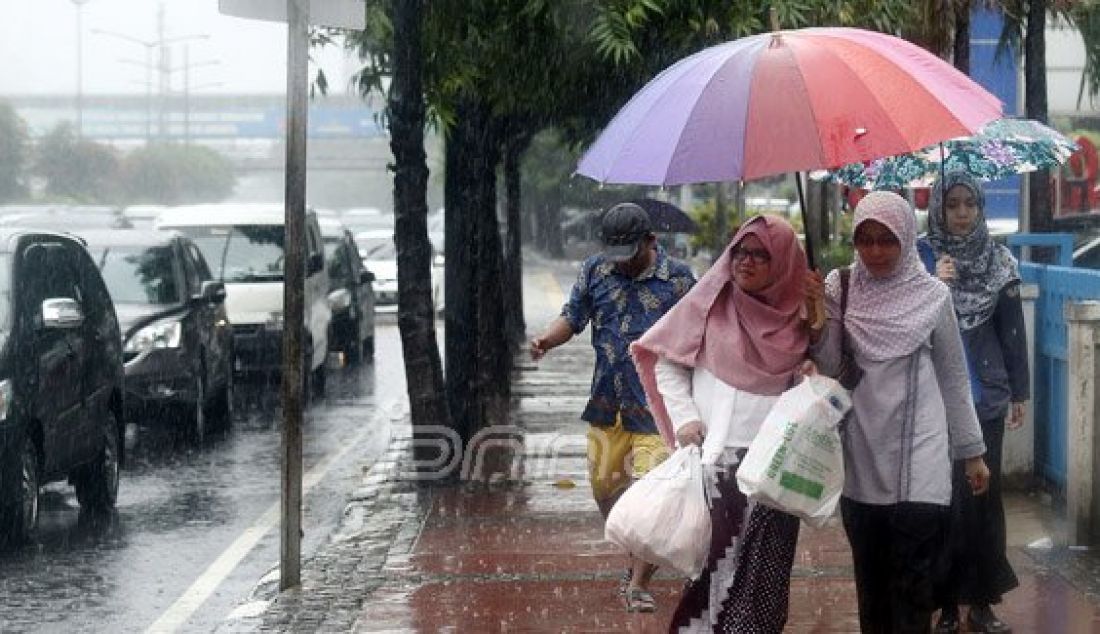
(525,553)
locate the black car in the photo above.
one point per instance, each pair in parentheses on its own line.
(351,293)
(177,342)
(61,377)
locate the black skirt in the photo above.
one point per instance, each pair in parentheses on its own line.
(975,568)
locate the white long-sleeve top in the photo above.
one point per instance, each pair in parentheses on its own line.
(732,417)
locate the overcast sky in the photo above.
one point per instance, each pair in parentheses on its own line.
(38,52)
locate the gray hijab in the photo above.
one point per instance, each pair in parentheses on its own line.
(983,267)
(890,317)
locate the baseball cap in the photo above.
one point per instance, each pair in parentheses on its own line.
(622,229)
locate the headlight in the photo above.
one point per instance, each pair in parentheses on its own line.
(5,398)
(163,334)
(274,320)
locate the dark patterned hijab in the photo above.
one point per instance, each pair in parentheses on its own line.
(983,267)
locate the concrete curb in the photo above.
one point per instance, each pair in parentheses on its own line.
(380,521)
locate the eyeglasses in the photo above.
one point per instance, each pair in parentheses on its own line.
(866,241)
(759,256)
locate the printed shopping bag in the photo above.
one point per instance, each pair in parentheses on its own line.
(796,462)
(663,518)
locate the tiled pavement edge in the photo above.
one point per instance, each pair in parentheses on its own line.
(382,516)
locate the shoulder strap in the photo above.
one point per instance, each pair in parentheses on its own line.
(845,276)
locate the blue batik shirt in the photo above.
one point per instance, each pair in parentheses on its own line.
(621,309)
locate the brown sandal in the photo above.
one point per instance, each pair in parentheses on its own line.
(638,600)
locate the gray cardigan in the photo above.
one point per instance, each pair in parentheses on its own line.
(910,416)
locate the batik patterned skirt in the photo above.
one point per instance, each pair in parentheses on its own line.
(745,587)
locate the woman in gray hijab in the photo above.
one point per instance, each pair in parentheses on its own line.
(911,414)
(985,288)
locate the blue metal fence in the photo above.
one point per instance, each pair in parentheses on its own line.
(1057,285)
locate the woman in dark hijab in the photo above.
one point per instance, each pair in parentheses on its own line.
(985,289)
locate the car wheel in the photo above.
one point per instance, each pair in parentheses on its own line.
(196,425)
(319,379)
(97,483)
(351,346)
(222,413)
(20,519)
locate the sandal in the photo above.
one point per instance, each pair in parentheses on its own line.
(624,581)
(981,619)
(638,600)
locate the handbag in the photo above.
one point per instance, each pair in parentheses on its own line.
(850,373)
(664,518)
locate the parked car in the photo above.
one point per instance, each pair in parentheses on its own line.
(351,294)
(366,219)
(61,377)
(66,220)
(243,243)
(379,255)
(177,342)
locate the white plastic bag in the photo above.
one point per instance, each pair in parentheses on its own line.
(663,518)
(796,462)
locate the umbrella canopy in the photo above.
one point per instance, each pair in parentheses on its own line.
(666,217)
(786,101)
(1000,149)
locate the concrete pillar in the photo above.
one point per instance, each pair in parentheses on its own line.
(1018,459)
(1082,319)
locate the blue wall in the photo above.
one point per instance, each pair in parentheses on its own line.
(1000,77)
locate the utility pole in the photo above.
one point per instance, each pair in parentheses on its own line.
(160,44)
(80,66)
(348,14)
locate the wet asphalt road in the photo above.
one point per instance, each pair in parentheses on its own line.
(196,526)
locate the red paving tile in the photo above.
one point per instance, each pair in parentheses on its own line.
(529,606)
(533,559)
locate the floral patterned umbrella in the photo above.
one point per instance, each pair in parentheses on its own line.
(1001,148)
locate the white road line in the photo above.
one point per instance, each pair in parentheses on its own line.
(193,598)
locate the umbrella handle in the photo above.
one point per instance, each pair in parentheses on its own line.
(817,315)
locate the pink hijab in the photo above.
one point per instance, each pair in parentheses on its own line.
(751,342)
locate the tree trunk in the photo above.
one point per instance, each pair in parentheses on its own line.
(460,200)
(423,369)
(962,36)
(1035,103)
(494,353)
(515,144)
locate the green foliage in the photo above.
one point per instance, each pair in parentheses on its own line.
(13,153)
(839,252)
(77,169)
(706,217)
(173,174)
(547,177)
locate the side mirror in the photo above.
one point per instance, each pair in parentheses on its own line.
(315,263)
(62,313)
(366,277)
(212,291)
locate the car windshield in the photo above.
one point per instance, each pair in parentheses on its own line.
(377,248)
(136,275)
(337,264)
(241,253)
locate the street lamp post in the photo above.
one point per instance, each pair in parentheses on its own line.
(160,43)
(187,87)
(79,66)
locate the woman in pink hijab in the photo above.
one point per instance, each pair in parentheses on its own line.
(712,368)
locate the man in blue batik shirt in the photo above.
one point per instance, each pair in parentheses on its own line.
(622,291)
